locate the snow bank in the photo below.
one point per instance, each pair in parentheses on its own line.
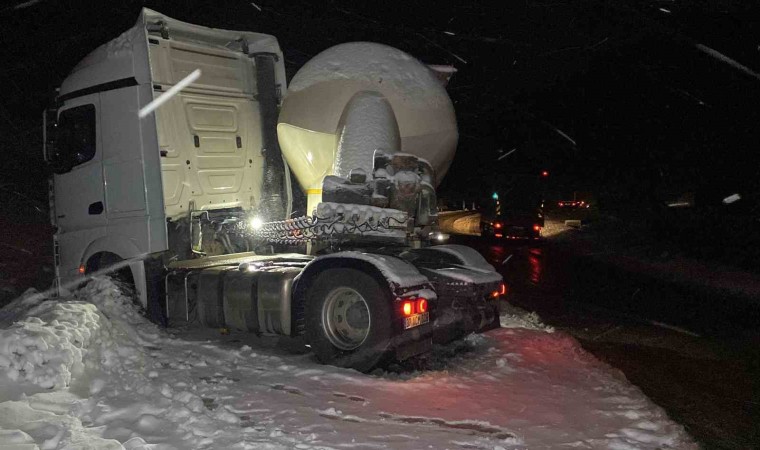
(45,348)
(55,337)
(90,372)
(512,317)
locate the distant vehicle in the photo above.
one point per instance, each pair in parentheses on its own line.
(573,204)
(514,224)
(516,209)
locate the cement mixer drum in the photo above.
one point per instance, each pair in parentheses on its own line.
(310,127)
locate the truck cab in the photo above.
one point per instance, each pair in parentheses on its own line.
(128,186)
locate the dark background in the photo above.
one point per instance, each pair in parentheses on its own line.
(612,97)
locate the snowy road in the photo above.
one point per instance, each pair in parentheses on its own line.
(459,222)
(91,371)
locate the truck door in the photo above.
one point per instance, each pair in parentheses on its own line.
(73,149)
(77,163)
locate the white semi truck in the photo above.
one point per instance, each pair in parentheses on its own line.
(193,202)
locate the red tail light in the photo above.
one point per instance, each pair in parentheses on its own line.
(536,227)
(81,269)
(414,305)
(503,289)
(498,235)
(497,225)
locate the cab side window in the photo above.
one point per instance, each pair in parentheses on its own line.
(75,138)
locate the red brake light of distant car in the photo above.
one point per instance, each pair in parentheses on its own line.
(498,235)
(536,227)
(545,173)
(503,289)
(422,305)
(497,225)
(407,308)
(560,204)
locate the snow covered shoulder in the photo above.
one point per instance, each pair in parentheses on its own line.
(89,372)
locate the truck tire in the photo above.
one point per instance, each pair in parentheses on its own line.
(348,319)
(122,277)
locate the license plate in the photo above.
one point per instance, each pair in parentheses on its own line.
(416,320)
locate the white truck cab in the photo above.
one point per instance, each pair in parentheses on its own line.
(120,180)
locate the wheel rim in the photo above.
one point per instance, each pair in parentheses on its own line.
(346,318)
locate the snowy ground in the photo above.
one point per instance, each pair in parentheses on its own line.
(90,372)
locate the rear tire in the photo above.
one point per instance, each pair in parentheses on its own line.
(348,319)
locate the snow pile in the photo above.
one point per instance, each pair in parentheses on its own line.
(120,382)
(46,347)
(512,317)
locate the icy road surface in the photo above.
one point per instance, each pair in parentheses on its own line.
(90,372)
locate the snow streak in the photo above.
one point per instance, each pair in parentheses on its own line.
(174,90)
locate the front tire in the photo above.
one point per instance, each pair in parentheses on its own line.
(121,277)
(124,279)
(348,319)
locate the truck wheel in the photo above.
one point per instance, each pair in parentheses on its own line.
(348,319)
(155,311)
(122,277)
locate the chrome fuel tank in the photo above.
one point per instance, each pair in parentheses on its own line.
(247,298)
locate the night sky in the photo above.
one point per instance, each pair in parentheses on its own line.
(611,97)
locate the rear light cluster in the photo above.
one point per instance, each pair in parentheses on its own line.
(502,291)
(414,305)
